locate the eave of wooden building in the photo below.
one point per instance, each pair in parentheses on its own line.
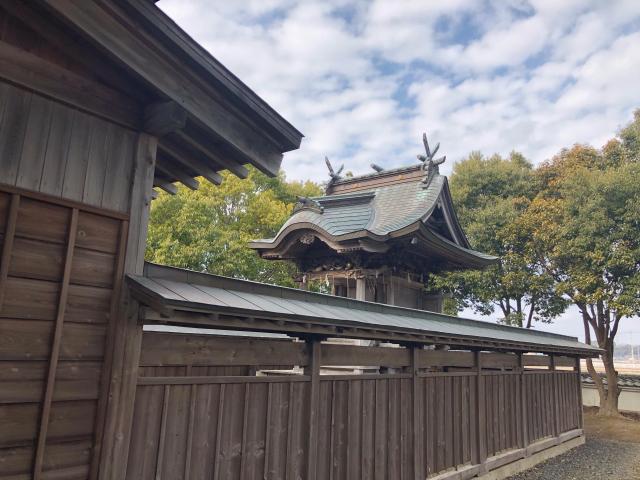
(134,66)
(181,297)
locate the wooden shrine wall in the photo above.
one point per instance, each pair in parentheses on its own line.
(439,411)
(59,269)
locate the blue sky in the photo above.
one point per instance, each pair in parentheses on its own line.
(363,79)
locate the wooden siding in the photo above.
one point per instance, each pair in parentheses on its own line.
(60,264)
(51,148)
(197,418)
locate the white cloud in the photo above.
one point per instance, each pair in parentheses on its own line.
(362,79)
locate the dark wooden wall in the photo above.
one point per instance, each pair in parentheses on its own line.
(439,412)
(69,132)
(60,266)
(51,148)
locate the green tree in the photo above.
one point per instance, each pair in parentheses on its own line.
(489,195)
(583,228)
(209,229)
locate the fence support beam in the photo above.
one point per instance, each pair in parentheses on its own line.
(524,431)
(418,422)
(481,450)
(579,381)
(555,393)
(313,370)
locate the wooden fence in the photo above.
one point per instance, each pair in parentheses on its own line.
(202,413)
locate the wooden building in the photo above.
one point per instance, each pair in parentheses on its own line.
(378,237)
(100,102)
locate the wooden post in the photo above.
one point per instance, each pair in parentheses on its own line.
(55,348)
(361,288)
(313,370)
(7,247)
(577,369)
(418,422)
(555,396)
(481,451)
(128,330)
(524,431)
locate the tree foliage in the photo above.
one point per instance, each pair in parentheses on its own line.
(209,229)
(490,194)
(583,229)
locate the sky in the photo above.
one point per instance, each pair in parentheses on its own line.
(363,79)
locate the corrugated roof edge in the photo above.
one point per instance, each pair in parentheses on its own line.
(153,270)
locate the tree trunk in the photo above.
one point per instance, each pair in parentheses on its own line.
(609,407)
(599,321)
(602,392)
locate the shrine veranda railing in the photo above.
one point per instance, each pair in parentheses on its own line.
(225,407)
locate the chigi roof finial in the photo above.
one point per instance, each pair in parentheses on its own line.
(429,165)
(334,176)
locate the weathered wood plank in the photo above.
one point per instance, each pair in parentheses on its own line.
(55,347)
(17,103)
(36,73)
(34,146)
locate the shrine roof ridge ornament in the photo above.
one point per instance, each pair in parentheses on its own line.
(430,166)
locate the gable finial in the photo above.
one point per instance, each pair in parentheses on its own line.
(334,176)
(429,165)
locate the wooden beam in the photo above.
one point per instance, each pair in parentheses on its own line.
(7,246)
(128,330)
(212,154)
(172,171)
(118,279)
(160,349)
(33,72)
(164,117)
(55,348)
(313,371)
(168,187)
(199,166)
(117,32)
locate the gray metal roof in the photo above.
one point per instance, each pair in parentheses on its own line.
(178,289)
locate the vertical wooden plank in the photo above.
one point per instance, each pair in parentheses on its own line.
(381,432)
(17,103)
(354,420)
(190,431)
(418,422)
(55,347)
(7,246)
(448,422)
(244,448)
(580,407)
(124,369)
(429,409)
(115,195)
(35,144)
(106,364)
(368,429)
(163,432)
(313,370)
(456,444)
(101,140)
(553,402)
(78,155)
(440,421)
(465,431)
(217,454)
(55,158)
(481,451)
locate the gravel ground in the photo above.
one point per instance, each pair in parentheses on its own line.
(597,459)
